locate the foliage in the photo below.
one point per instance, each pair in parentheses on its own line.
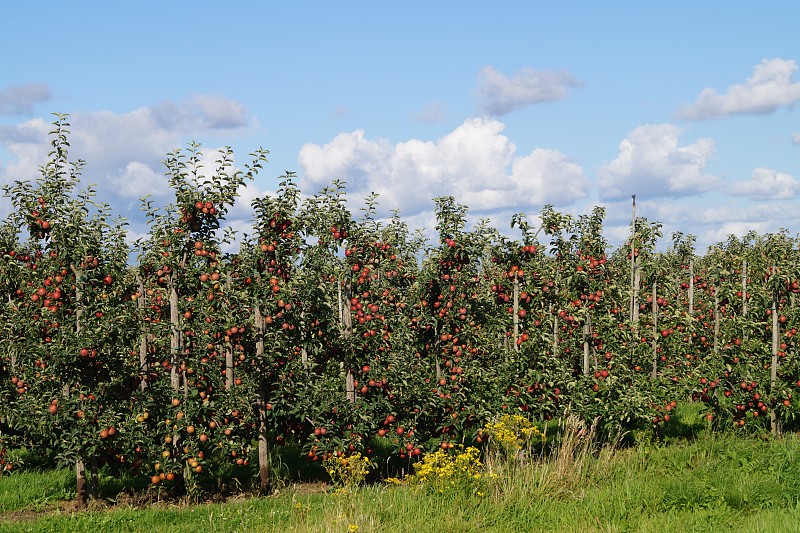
(338,334)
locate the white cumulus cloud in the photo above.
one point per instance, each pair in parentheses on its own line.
(122,146)
(348,156)
(538,171)
(501,95)
(139,179)
(475,163)
(766,184)
(651,162)
(769,88)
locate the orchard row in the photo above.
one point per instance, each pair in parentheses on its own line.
(338,333)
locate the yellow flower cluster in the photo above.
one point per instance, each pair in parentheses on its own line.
(441,467)
(348,471)
(510,432)
(301,510)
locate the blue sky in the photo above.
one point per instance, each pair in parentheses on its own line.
(688,105)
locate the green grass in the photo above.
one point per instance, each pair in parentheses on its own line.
(708,483)
(35,490)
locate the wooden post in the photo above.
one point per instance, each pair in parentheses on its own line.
(80,467)
(176,351)
(555,330)
(263,444)
(175,333)
(303,351)
(143,366)
(594,348)
(633,304)
(516,313)
(13,344)
(437,345)
(350,386)
(744,288)
(716,320)
(691,286)
(654,371)
(228,345)
(341,306)
(773,373)
(586,335)
(345,305)
(637,283)
(228,365)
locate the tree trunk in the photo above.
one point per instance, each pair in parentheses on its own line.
(80,483)
(94,473)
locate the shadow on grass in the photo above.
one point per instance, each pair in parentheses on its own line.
(687,422)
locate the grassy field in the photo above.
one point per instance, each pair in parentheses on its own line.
(708,483)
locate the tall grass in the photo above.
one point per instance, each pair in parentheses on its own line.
(35,490)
